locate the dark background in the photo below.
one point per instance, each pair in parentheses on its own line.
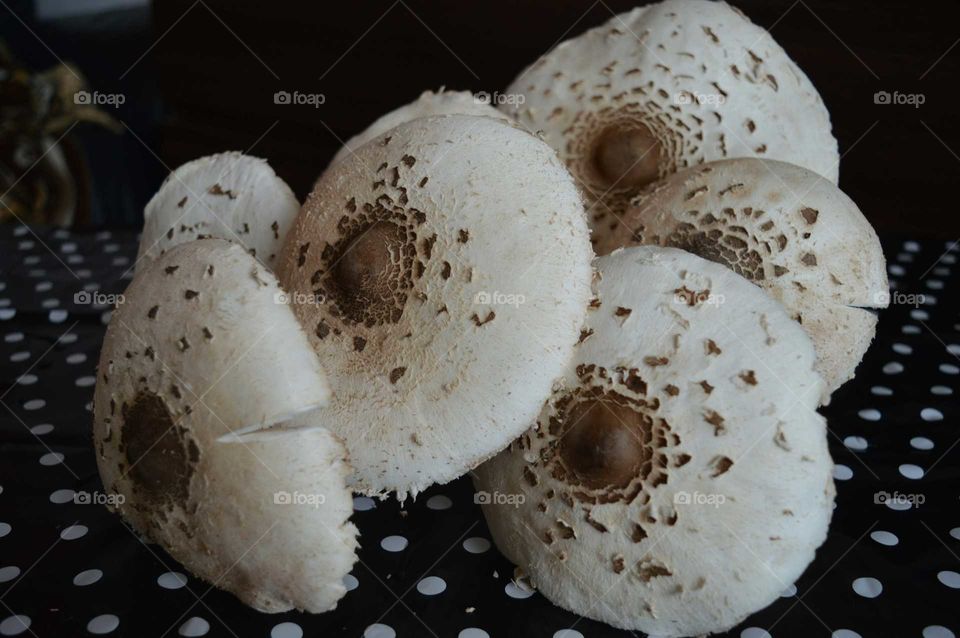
(200,78)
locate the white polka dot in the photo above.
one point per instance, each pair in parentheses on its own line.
(513,591)
(27,379)
(955,532)
(62,496)
(363,503)
(934,284)
(68,247)
(899,504)
(789,592)
(928,300)
(194,626)
(476,545)
(51,458)
(73,532)
(172,580)
(7,314)
(885,538)
(919,314)
(111,248)
(897,270)
(881,391)
(68,338)
(57,316)
(43,428)
(845,633)
(867,587)
(921,443)
(949,578)
(954,349)
(911,471)
(941,390)
(286,630)
(34,404)
(473,632)
(949,368)
(103,624)
(902,348)
(86,382)
(931,414)
(379,630)
(567,633)
(937,631)
(4,303)
(908,330)
(870,414)
(856,443)
(754,632)
(893,367)
(4,529)
(15,625)
(76,357)
(26,244)
(394,543)
(88,577)
(911,246)
(17,357)
(842,472)
(43,286)
(37,272)
(50,303)
(20,231)
(431,586)
(439,502)
(350,582)
(13,337)
(8,573)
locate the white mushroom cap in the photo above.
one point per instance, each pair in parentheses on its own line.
(680,479)
(444,291)
(429,103)
(788,230)
(227,196)
(188,362)
(667,86)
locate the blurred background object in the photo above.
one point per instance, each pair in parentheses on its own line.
(200,76)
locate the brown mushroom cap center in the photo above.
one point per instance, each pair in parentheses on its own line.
(160,456)
(627,157)
(606,444)
(368,270)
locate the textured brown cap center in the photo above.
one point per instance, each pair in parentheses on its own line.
(627,157)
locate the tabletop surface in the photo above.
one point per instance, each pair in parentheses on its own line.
(68,567)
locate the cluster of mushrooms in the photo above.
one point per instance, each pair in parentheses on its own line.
(617,303)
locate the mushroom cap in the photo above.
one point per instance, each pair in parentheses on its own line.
(664,87)
(786,229)
(188,369)
(442,102)
(444,291)
(679,480)
(227,196)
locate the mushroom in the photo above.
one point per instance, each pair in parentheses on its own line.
(786,229)
(679,478)
(188,382)
(664,87)
(444,292)
(429,103)
(227,196)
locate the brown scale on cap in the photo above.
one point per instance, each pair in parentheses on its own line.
(161,456)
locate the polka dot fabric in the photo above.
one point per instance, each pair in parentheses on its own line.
(70,568)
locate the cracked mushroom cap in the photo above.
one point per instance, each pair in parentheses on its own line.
(668,86)
(786,229)
(188,376)
(443,290)
(442,102)
(680,478)
(227,196)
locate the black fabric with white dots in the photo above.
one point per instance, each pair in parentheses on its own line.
(890,567)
